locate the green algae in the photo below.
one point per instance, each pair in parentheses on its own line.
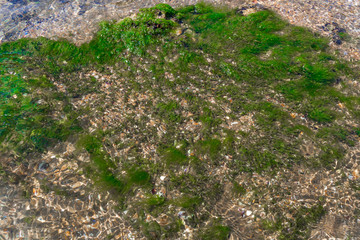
(252,57)
(173,156)
(138,176)
(26,118)
(298,226)
(216,232)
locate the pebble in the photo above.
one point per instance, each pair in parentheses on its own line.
(248,213)
(77,185)
(181,214)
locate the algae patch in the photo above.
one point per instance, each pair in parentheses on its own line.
(201,95)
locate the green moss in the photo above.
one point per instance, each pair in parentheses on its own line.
(318,73)
(158,10)
(138,176)
(131,35)
(109,181)
(291,90)
(270,113)
(322,115)
(300,225)
(155,200)
(109,42)
(186,9)
(91,143)
(189,203)
(344,36)
(238,189)
(357,131)
(29,220)
(216,232)
(304,218)
(209,118)
(297,129)
(255,159)
(330,154)
(26,124)
(203,8)
(173,156)
(151,230)
(100,171)
(211,147)
(169,111)
(336,134)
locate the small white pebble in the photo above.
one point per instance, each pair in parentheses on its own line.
(162,178)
